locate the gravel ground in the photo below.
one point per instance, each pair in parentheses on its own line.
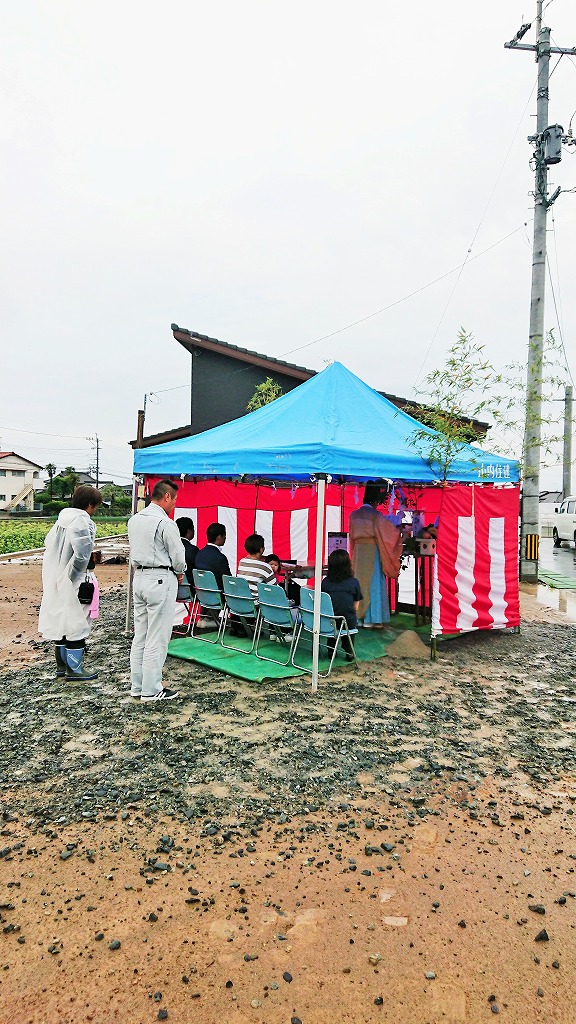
(492,705)
(399,847)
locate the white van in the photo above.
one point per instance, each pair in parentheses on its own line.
(565,521)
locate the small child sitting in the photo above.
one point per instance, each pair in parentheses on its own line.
(276,565)
(344,589)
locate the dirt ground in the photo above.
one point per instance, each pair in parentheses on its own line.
(436,901)
(20,593)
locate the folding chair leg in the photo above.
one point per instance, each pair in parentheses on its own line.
(273,660)
(218,623)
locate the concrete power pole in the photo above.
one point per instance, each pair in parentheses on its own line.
(567,460)
(547,150)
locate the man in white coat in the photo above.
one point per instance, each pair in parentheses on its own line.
(62,618)
(157,555)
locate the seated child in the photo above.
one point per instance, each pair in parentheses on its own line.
(276,565)
(252,566)
(344,589)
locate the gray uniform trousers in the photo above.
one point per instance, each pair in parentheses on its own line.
(154,602)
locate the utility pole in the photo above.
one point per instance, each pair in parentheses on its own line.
(567,459)
(96,469)
(547,150)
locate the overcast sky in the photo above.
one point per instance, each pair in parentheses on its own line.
(263,174)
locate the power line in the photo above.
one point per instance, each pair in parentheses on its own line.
(481,221)
(406,297)
(44,433)
(559,318)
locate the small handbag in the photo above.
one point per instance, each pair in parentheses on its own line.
(86,591)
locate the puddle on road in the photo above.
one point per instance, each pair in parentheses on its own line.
(561,600)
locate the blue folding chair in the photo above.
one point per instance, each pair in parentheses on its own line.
(208,599)
(332,627)
(185,597)
(238,601)
(274,613)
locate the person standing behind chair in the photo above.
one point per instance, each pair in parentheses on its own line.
(376,549)
(344,589)
(68,549)
(157,555)
(186,528)
(211,557)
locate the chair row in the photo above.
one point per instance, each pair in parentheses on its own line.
(268,615)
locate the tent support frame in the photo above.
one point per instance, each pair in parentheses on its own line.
(318,559)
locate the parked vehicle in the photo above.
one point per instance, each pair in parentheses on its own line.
(565,521)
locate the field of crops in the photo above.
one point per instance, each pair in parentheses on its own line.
(30,533)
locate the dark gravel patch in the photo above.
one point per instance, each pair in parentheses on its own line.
(498,705)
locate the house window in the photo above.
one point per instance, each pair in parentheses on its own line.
(2,472)
(14,496)
(2,497)
(18,472)
(36,475)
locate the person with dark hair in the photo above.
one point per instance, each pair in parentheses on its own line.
(186,528)
(68,549)
(253,567)
(275,564)
(376,549)
(344,589)
(157,555)
(211,558)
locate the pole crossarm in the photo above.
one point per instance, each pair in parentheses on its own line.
(569,50)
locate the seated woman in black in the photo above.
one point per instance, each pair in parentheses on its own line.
(344,589)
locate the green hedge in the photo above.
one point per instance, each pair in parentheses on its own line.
(21,536)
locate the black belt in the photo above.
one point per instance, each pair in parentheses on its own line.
(168,567)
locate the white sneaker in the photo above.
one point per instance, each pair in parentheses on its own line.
(162,695)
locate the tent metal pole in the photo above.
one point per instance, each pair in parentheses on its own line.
(130,569)
(318,559)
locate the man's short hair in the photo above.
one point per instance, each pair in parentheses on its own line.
(162,488)
(185,524)
(254,544)
(85,495)
(214,531)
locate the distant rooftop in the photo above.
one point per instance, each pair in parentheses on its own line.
(4,455)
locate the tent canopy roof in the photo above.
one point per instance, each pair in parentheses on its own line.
(334,424)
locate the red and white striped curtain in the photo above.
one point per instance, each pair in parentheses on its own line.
(476,566)
(476,572)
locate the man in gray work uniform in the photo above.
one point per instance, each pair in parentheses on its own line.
(157,555)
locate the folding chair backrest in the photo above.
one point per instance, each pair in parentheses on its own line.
(327,627)
(274,605)
(184,593)
(238,596)
(207,590)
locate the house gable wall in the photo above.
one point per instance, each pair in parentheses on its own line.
(222,387)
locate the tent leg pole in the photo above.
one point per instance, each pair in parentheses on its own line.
(130,569)
(433,648)
(318,559)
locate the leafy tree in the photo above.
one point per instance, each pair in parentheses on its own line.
(265,393)
(468,387)
(73,478)
(120,502)
(51,470)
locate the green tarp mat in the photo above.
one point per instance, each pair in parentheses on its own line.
(369,644)
(556,581)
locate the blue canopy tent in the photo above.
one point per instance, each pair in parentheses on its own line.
(334,425)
